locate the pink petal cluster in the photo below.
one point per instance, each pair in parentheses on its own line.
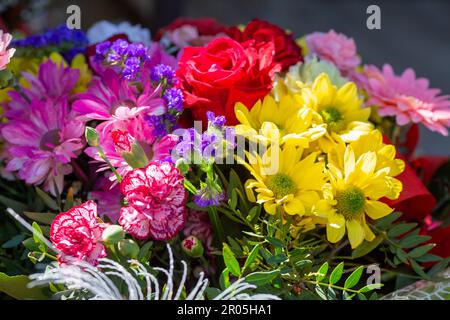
(109,198)
(42,143)
(335,48)
(77,234)
(5,53)
(406,97)
(123,109)
(156,198)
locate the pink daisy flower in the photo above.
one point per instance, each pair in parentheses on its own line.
(53,82)
(156,198)
(5,53)
(335,48)
(406,97)
(41,145)
(77,233)
(112,99)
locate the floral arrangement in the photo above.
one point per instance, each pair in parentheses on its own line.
(216,162)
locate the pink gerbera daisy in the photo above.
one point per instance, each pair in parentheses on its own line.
(406,97)
(41,145)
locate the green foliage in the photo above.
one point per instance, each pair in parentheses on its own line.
(16,287)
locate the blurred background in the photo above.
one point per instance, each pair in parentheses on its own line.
(414,33)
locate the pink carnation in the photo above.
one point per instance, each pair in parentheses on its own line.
(77,233)
(156,193)
(335,48)
(5,53)
(406,97)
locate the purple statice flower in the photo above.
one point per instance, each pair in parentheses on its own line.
(218,122)
(161,72)
(162,124)
(174,99)
(128,57)
(209,196)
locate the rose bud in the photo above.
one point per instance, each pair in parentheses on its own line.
(128,248)
(193,247)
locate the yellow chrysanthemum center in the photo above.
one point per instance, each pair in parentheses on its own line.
(350,202)
(281,185)
(334,119)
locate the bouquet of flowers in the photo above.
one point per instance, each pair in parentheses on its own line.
(216,162)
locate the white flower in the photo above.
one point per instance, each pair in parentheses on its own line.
(103,30)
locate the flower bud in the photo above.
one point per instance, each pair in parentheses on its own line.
(92,137)
(128,248)
(193,247)
(113,234)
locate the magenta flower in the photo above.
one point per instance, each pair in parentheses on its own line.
(156,198)
(77,234)
(5,53)
(335,48)
(41,145)
(111,98)
(53,82)
(406,97)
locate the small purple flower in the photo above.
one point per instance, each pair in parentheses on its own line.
(215,121)
(137,50)
(208,197)
(102,48)
(175,99)
(131,68)
(120,46)
(162,71)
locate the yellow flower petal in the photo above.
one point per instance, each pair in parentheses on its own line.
(295,206)
(335,228)
(356,232)
(376,209)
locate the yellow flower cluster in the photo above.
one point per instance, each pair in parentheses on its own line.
(323,163)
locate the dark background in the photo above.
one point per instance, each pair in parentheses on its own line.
(413,33)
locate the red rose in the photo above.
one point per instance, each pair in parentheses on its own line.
(287,52)
(77,233)
(204,26)
(216,77)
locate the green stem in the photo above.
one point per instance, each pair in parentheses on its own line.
(215,221)
(113,169)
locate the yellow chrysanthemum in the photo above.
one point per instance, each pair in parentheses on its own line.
(284,181)
(283,123)
(354,190)
(341,109)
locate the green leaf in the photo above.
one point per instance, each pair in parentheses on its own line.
(224,279)
(366,247)
(277,259)
(261,278)
(231,261)
(370,287)
(145,252)
(16,287)
(420,251)
(232,201)
(37,240)
(42,217)
(413,241)
(49,201)
(401,229)
(336,274)
(14,241)
(385,222)
(419,270)
(322,272)
(277,243)
(353,279)
(17,206)
(251,258)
